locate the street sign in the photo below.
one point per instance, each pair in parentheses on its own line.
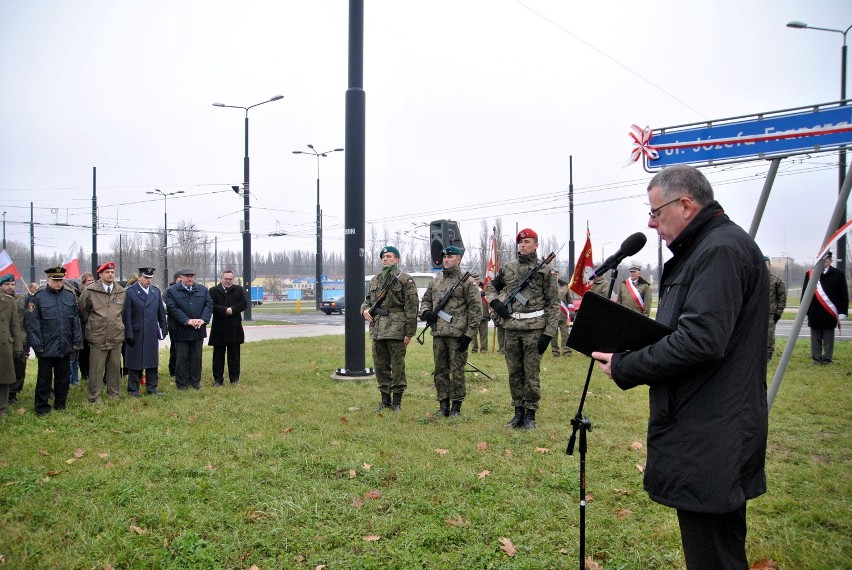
(803,130)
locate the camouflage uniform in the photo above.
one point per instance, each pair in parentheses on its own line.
(600,286)
(394,320)
(558,341)
(777,304)
(20,364)
(465,310)
(522,334)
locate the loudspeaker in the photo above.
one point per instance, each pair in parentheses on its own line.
(443,233)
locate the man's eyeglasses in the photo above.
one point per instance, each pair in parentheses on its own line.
(655,213)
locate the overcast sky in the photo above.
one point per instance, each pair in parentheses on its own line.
(473,109)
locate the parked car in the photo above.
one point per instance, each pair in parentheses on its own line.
(333,305)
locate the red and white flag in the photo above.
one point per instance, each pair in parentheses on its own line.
(581,280)
(71,263)
(7,266)
(493,262)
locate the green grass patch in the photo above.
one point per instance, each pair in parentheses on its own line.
(293,470)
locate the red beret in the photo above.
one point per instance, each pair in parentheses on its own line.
(105,266)
(526,233)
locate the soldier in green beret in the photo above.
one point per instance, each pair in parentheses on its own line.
(11,339)
(392,325)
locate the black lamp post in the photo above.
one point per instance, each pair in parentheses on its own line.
(165,196)
(841,242)
(319,155)
(247,206)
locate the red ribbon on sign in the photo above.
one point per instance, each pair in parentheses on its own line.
(642,144)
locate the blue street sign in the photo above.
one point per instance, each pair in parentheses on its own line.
(817,128)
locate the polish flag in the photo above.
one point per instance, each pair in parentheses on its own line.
(493,263)
(581,280)
(7,266)
(71,263)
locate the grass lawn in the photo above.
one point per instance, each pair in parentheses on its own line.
(294,470)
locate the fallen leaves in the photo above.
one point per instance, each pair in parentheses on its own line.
(542,450)
(352,473)
(641,468)
(591,564)
(137,530)
(440,451)
(343,420)
(484,474)
(764,565)
(636,445)
(79,453)
(373,494)
(44,452)
(456,522)
(623,513)
(371,538)
(366,466)
(508,547)
(286,430)
(482,446)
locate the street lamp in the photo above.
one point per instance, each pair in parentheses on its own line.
(319,155)
(165,196)
(247,206)
(841,242)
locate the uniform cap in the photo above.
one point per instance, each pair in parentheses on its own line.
(389,249)
(187,271)
(146,271)
(6,278)
(105,266)
(526,233)
(635,268)
(451,250)
(828,254)
(57,273)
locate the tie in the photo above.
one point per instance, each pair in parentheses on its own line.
(109,290)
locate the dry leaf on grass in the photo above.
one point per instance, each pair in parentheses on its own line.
(508,453)
(440,451)
(542,450)
(641,468)
(79,453)
(103,455)
(137,530)
(43,452)
(21,411)
(70,460)
(352,474)
(507,546)
(357,503)
(53,473)
(286,430)
(366,466)
(373,494)
(636,445)
(343,420)
(592,565)
(109,464)
(320,567)
(764,565)
(456,522)
(210,467)
(481,446)
(623,513)
(484,474)
(371,537)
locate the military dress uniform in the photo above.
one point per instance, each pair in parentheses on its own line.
(145,315)
(394,320)
(455,326)
(526,327)
(11,343)
(53,330)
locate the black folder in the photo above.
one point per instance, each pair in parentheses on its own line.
(602,325)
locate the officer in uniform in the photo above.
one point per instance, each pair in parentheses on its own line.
(11,339)
(558,345)
(777,304)
(635,292)
(529,327)
(392,325)
(453,329)
(20,359)
(145,316)
(53,329)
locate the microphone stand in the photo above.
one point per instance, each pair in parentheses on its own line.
(583,424)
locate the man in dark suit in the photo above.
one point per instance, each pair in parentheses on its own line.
(190,309)
(829,306)
(226,333)
(144,327)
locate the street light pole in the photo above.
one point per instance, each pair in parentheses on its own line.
(841,242)
(319,155)
(247,205)
(165,196)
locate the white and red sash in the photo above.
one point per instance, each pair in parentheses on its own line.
(634,292)
(823,299)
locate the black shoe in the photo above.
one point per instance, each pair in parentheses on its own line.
(386,403)
(456,409)
(235,382)
(217,384)
(136,394)
(196,386)
(444,409)
(518,419)
(529,420)
(396,406)
(183,387)
(153,393)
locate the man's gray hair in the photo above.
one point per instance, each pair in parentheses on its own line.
(683,180)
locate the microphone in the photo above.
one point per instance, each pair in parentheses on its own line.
(630,246)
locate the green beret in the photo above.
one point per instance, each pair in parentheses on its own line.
(389,249)
(6,278)
(451,250)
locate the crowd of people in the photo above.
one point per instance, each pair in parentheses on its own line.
(100,330)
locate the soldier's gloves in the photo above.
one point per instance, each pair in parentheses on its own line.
(129,341)
(18,355)
(543,343)
(776,317)
(464,342)
(500,308)
(429,317)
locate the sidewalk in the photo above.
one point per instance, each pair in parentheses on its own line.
(267,332)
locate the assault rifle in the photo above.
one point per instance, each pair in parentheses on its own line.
(439,308)
(377,304)
(515,294)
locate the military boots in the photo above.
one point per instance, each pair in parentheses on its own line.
(529,420)
(456,409)
(444,409)
(396,406)
(516,421)
(386,403)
